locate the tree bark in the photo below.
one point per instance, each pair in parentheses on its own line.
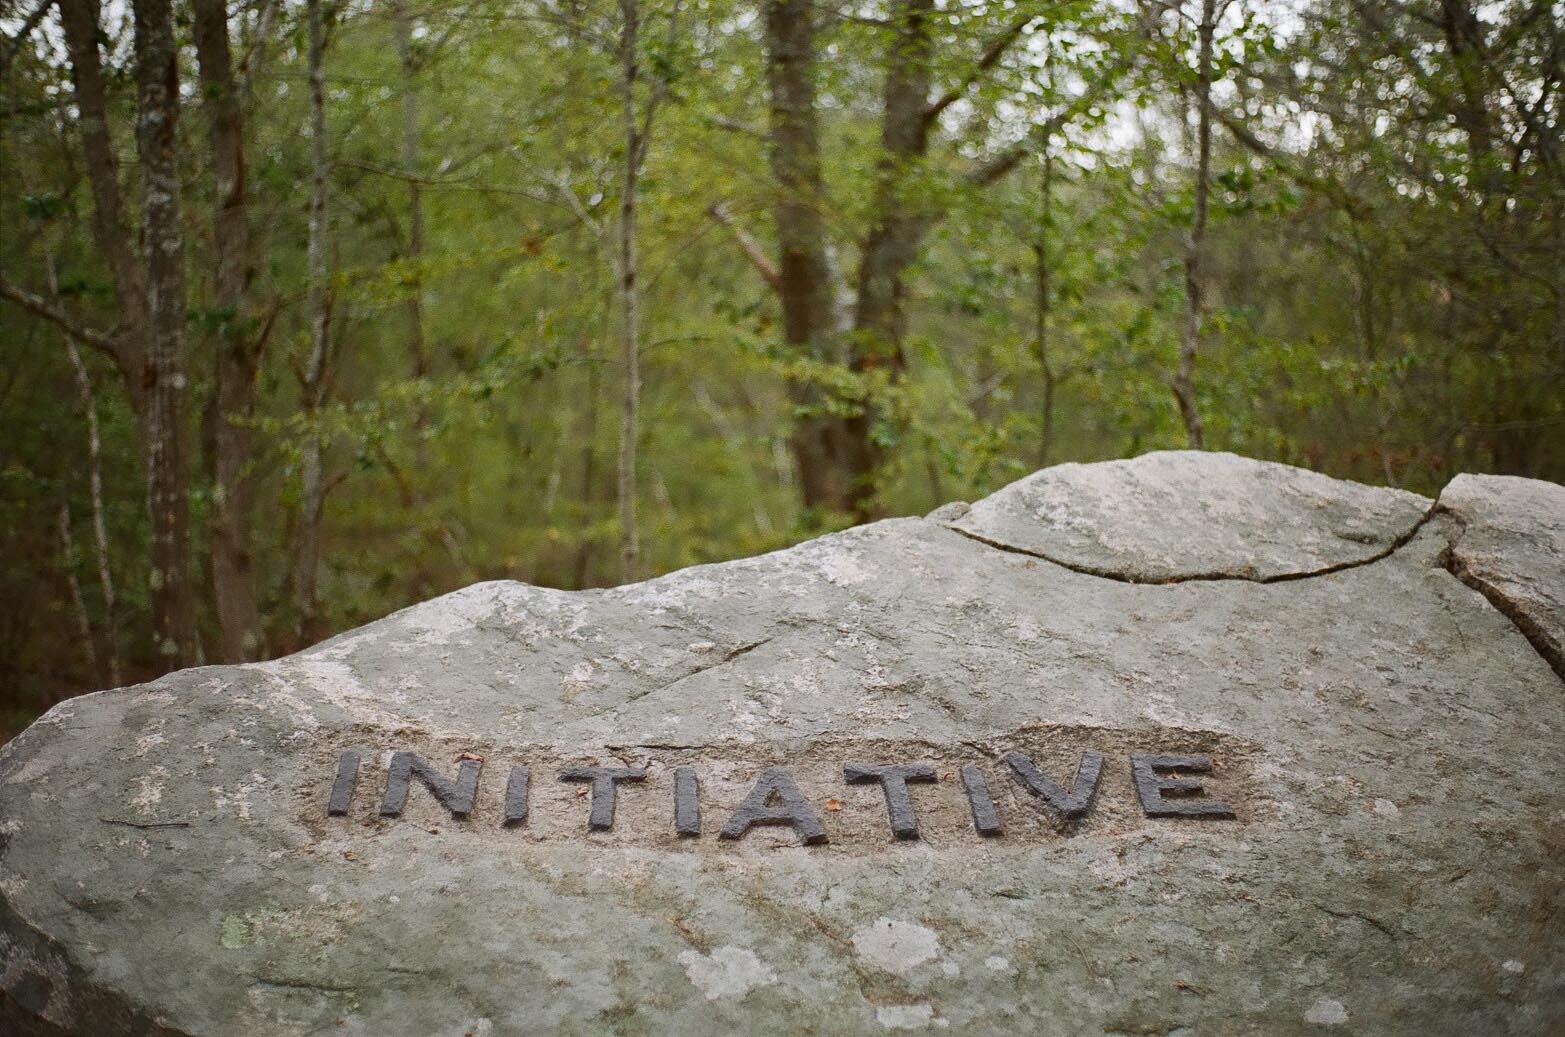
(163,365)
(100,533)
(402,17)
(312,491)
(891,245)
(1464,39)
(581,565)
(1042,300)
(630,293)
(846,456)
(803,274)
(1183,382)
(237,347)
(74,588)
(79,19)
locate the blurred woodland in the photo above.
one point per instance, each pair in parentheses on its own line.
(313,309)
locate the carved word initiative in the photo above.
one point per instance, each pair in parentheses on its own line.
(775,798)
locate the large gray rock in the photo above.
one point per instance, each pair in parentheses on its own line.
(1390,744)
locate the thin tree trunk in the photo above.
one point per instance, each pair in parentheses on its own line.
(630,294)
(403,19)
(1195,243)
(163,371)
(413,255)
(74,588)
(79,19)
(237,344)
(259,35)
(312,483)
(1042,300)
(1558,249)
(1464,38)
(100,534)
(589,475)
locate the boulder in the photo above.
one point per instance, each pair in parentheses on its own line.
(1189,744)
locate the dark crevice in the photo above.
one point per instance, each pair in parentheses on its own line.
(1360,916)
(1528,626)
(1109,574)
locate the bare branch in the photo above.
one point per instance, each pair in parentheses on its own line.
(659,90)
(752,248)
(10,47)
(563,186)
(109,345)
(723,122)
(998,166)
(991,56)
(79,21)
(255,53)
(1285,165)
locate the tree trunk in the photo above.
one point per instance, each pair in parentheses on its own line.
(630,294)
(150,293)
(1195,243)
(237,343)
(892,243)
(162,417)
(1041,302)
(803,282)
(74,588)
(312,491)
(1464,38)
(839,460)
(589,475)
(79,19)
(100,533)
(403,19)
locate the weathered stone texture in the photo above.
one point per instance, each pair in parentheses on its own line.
(1183,515)
(1392,744)
(1511,548)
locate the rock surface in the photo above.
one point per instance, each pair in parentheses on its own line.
(1511,548)
(1182,515)
(1391,745)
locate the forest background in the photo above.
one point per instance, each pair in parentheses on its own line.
(313,309)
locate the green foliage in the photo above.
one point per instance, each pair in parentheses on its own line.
(1385,297)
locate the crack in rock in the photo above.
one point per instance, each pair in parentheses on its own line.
(728,657)
(1510,547)
(1529,626)
(1159,581)
(1176,515)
